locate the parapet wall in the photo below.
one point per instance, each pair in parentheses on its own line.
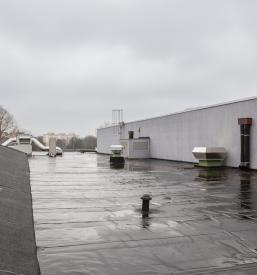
(17,239)
(174,136)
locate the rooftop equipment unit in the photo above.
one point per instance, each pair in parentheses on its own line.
(24,140)
(137,148)
(52,147)
(210,156)
(116,150)
(116,159)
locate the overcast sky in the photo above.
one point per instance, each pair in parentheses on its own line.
(65,64)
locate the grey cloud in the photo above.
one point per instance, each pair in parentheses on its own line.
(64,64)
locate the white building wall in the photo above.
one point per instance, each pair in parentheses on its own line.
(105,138)
(173,137)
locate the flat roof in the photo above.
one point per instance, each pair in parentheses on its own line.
(89,221)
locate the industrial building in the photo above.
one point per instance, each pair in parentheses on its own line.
(174,136)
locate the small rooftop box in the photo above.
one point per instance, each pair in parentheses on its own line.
(210,156)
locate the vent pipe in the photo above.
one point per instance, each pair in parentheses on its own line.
(131,134)
(245,127)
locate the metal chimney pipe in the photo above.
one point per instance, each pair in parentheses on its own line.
(242,136)
(247,145)
(245,126)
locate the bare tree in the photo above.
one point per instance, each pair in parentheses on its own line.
(8,126)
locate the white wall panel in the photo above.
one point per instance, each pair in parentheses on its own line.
(173,137)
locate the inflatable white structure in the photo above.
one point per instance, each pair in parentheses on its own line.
(24,143)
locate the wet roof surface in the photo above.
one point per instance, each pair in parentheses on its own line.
(88,218)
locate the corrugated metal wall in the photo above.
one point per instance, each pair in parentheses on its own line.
(173,137)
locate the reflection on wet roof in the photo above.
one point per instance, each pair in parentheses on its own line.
(88,218)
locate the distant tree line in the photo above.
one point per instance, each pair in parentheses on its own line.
(88,142)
